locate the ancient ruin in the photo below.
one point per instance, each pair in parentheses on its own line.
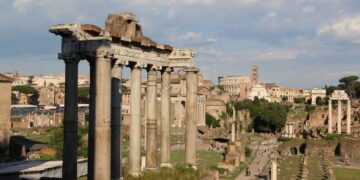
(122,44)
(340,96)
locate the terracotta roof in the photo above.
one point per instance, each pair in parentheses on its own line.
(4,78)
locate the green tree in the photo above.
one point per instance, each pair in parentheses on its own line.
(299,100)
(320,101)
(284,98)
(14,99)
(267,116)
(31,93)
(57,139)
(211,121)
(83,94)
(30,80)
(349,83)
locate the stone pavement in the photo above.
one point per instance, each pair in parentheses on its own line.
(258,164)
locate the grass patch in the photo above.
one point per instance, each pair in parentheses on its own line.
(346,173)
(289,168)
(205,159)
(314,167)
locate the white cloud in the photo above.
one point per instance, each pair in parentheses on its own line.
(22,6)
(211,40)
(347,29)
(277,55)
(190,36)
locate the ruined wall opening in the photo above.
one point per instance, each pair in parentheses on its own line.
(338,150)
(303,148)
(293,151)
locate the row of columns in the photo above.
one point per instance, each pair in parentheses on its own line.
(105,118)
(289,130)
(339,117)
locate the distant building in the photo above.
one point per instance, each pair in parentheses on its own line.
(259,91)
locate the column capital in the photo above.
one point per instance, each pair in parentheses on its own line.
(167,69)
(69,58)
(192,69)
(153,68)
(136,65)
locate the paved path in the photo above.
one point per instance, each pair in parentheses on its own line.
(260,161)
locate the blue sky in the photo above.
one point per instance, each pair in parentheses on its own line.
(296,43)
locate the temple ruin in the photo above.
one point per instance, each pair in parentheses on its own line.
(122,44)
(340,96)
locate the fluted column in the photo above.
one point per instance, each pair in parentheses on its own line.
(102,161)
(165,117)
(135,123)
(69,170)
(348,117)
(191,132)
(116,76)
(151,124)
(339,117)
(330,117)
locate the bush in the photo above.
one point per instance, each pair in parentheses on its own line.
(211,121)
(248,152)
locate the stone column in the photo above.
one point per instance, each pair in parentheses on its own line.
(69,170)
(135,123)
(339,117)
(91,134)
(102,160)
(165,118)
(191,132)
(151,124)
(116,76)
(330,117)
(273,170)
(286,130)
(233,126)
(291,133)
(348,117)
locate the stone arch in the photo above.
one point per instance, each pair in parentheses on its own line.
(302,148)
(338,150)
(293,150)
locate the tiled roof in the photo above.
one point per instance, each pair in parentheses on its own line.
(4,78)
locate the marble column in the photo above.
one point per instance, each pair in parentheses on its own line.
(91,134)
(151,124)
(69,170)
(102,160)
(135,123)
(339,117)
(330,117)
(273,170)
(348,117)
(286,130)
(116,76)
(291,133)
(191,131)
(165,118)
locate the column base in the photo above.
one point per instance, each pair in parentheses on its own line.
(166,165)
(152,169)
(135,174)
